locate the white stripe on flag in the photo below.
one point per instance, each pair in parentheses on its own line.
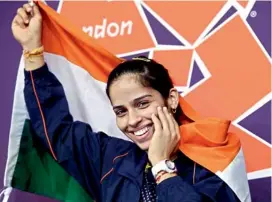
(86,96)
(19,115)
(235,176)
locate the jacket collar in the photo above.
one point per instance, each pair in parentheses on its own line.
(132,166)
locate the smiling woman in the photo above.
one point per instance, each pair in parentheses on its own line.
(167,160)
(136,90)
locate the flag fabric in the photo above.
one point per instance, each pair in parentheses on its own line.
(82,67)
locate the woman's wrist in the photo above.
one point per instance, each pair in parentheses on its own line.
(33,56)
(33,63)
(156,159)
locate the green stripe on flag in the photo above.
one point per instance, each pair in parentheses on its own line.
(36,171)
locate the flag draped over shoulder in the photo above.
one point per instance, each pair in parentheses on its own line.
(83,67)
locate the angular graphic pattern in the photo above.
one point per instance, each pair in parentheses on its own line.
(259,122)
(196,75)
(162,34)
(228,14)
(259,19)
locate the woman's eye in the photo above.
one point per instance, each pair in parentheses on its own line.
(143,105)
(120,113)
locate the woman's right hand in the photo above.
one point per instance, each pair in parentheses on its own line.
(27,27)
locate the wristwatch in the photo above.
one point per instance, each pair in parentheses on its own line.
(164,165)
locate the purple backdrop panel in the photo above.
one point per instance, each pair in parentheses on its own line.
(10,53)
(259,20)
(260,189)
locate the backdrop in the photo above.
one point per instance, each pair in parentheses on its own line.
(218,53)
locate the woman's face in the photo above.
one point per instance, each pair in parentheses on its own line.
(134,105)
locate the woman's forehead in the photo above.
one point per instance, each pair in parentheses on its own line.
(124,93)
(125,84)
(128,93)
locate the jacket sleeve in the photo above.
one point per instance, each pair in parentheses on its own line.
(212,189)
(73,144)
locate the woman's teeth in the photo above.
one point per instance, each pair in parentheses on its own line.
(141,132)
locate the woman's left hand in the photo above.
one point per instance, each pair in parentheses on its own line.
(165,138)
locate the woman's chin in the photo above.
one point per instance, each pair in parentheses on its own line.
(144,145)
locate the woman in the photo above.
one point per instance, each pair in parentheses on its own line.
(147,111)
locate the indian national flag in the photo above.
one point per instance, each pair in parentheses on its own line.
(82,68)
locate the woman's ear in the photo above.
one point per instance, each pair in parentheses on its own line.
(173,99)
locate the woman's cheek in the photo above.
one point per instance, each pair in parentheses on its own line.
(152,110)
(121,124)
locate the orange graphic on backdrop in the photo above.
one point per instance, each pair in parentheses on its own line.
(117,26)
(193,16)
(257,154)
(240,72)
(178,63)
(240,77)
(243,3)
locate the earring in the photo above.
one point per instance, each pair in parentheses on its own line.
(174,110)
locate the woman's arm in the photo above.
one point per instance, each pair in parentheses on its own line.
(73,144)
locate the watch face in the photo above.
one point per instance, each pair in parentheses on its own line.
(170,164)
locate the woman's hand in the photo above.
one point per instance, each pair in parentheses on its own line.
(27,27)
(27,30)
(165,138)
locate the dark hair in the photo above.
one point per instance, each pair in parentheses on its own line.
(148,72)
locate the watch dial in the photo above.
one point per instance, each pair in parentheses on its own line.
(170,164)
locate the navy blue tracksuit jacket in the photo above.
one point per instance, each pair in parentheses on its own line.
(110,169)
